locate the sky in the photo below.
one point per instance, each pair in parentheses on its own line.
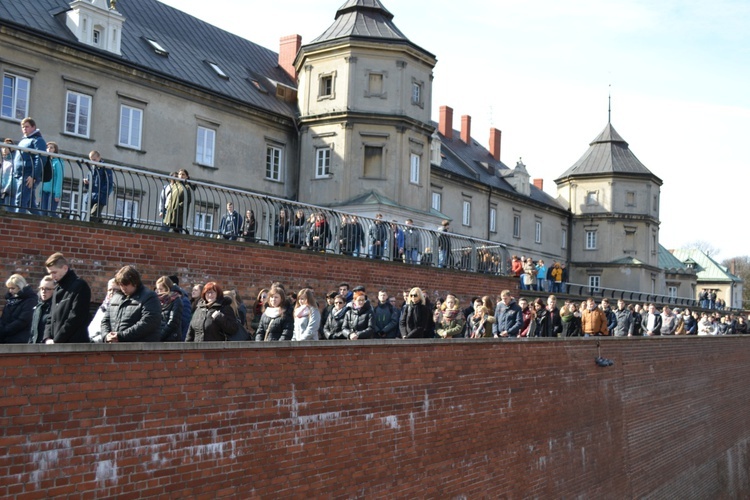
(543,72)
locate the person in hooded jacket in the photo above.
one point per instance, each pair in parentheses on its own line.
(334,327)
(358,320)
(213,319)
(415,317)
(15,323)
(171,310)
(449,319)
(134,313)
(277,320)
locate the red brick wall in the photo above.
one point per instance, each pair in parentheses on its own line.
(97,252)
(442,419)
(490,419)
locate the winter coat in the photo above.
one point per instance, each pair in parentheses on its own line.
(359,321)
(571,325)
(508,319)
(555,325)
(385,321)
(480,325)
(306,327)
(69,315)
(135,318)
(414,321)
(178,204)
(171,317)
(449,328)
(542,323)
(278,328)
(214,322)
(624,326)
(594,322)
(102,184)
(15,323)
(30,164)
(334,327)
(39,321)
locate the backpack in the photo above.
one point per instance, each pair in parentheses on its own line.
(46,169)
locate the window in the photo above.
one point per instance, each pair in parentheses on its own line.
(414,171)
(15,97)
(594,283)
(656,203)
(373,162)
(127,210)
(157,47)
(273,163)
(493,220)
(466,213)
(326,86)
(592,197)
(416,93)
(204,146)
(78,114)
(437,201)
(516,226)
(672,292)
(590,240)
(203,221)
(217,69)
(564,242)
(97,38)
(323,162)
(538,232)
(130,127)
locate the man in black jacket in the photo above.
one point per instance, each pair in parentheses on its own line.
(69,315)
(134,315)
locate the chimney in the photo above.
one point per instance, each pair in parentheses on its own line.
(466,129)
(446,122)
(495,136)
(539,184)
(288,48)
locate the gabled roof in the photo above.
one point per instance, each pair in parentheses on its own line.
(376,199)
(707,269)
(364,19)
(608,154)
(191,45)
(474,162)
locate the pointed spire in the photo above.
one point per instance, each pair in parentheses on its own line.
(609,105)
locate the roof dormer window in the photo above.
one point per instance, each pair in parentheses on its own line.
(218,70)
(157,47)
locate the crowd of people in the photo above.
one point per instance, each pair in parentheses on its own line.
(131,311)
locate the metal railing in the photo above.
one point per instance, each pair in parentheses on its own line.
(135,198)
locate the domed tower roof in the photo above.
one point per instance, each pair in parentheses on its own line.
(608,154)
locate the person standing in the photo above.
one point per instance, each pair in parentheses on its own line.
(231,224)
(508,317)
(415,317)
(69,314)
(444,245)
(651,323)
(134,314)
(101,184)
(624,321)
(52,187)
(28,167)
(15,322)
(41,310)
(411,243)
(178,203)
(8,188)
(593,320)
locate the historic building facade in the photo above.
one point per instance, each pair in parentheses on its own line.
(343,121)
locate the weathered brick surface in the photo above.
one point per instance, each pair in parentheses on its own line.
(472,419)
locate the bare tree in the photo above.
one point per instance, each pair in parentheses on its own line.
(740,267)
(703,246)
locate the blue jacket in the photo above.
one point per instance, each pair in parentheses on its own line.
(54,186)
(27,164)
(230,224)
(102,184)
(508,319)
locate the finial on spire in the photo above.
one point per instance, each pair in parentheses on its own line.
(112,4)
(609,105)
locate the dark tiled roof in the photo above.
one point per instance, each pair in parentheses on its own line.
(474,162)
(366,19)
(189,41)
(608,154)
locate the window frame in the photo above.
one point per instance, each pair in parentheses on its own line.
(516,225)
(323,162)
(595,283)
(493,219)
(537,231)
(415,163)
(14,97)
(591,239)
(78,112)
(274,162)
(205,156)
(129,143)
(466,213)
(437,201)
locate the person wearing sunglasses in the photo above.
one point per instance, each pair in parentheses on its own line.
(414,319)
(41,310)
(334,326)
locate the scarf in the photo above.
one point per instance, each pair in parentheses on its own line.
(272,312)
(302,311)
(450,314)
